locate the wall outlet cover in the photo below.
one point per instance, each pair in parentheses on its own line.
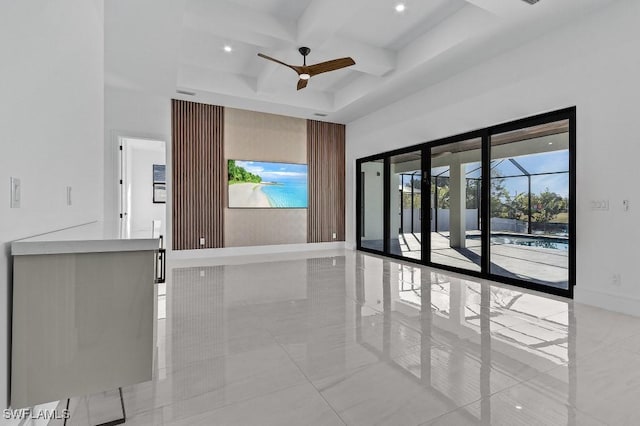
(616,279)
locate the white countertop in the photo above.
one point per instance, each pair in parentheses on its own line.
(95,237)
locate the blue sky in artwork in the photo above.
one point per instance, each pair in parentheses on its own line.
(275,172)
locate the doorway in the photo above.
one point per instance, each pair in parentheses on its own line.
(143,188)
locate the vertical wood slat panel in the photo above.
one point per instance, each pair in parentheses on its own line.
(326,168)
(198,175)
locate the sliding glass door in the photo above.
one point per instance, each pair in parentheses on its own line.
(371,196)
(530,198)
(496,203)
(405,207)
(456,178)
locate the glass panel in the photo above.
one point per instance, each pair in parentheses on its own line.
(405,217)
(456,176)
(530,207)
(372,199)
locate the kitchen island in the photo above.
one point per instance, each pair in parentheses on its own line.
(82,313)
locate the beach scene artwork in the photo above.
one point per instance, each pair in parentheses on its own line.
(259,184)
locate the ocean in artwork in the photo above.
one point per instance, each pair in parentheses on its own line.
(283,184)
(287,193)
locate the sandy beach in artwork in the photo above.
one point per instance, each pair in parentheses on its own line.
(247,195)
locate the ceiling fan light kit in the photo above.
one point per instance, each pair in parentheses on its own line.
(305,72)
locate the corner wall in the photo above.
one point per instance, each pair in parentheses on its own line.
(51,126)
(591,64)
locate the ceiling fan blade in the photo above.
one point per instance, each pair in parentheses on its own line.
(327,66)
(302,83)
(269,58)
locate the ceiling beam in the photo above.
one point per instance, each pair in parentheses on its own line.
(503,8)
(465,24)
(245,24)
(323,18)
(369,59)
(231,84)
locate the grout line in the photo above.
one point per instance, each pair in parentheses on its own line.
(308,380)
(180,400)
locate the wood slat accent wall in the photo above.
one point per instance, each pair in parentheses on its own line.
(198,175)
(326,163)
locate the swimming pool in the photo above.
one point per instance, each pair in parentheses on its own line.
(532,241)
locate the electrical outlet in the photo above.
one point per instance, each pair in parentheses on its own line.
(334,235)
(202,273)
(600,205)
(625,205)
(201,241)
(15,193)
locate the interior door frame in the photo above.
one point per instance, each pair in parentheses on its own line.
(121,177)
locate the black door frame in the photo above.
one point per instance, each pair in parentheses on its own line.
(426,208)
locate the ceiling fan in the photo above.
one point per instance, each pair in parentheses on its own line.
(305,72)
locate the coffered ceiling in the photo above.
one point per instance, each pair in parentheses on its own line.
(161,46)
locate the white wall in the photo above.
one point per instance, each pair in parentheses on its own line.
(592,64)
(471,220)
(51,125)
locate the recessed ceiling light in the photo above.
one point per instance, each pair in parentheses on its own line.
(401,7)
(518,407)
(228,48)
(550,143)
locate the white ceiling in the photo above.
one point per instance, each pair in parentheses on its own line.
(160,46)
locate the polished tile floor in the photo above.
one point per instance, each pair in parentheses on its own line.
(333,338)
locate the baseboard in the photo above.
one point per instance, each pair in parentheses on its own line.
(253,250)
(623,304)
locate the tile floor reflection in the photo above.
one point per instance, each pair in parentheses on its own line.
(335,338)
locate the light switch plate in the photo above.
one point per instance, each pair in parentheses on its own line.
(15,193)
